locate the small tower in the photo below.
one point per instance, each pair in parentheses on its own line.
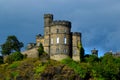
(39,39)
(94,52)
(48,18)
(76,40)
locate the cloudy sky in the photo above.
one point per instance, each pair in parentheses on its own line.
(97,20)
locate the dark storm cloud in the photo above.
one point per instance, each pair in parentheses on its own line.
(98,20)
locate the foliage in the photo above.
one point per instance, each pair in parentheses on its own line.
(41,49)
(16,56)
(91,59)
(11,44)
(81,49)
(79,69)
(1,59)
(40,68)
(93,68)
(14,65)
(104,68)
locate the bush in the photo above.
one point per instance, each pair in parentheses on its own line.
(16,56)
(1,59)
(81,69)
(41,49)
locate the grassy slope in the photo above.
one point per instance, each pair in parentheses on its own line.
(36,69)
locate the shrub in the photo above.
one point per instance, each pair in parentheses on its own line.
(16,56)
(40,68)
(14,65)
(41,49)
(81,69)
(1,59)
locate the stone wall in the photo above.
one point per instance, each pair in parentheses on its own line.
(32,53)
(58,57)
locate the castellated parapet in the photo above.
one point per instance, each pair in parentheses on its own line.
(58,40)
(62,23)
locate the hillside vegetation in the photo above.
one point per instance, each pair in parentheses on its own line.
(37,69)
(92,68)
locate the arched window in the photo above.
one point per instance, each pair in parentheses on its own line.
(65,40)
(57,40)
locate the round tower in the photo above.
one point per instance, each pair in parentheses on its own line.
(76,40)
(60,45)
(48,18)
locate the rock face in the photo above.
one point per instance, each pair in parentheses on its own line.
(60,72)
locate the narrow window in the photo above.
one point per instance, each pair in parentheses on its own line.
(57,40)
(65,30)
(38,44)
(65,50)
(57,30)
(74,51)
(65,40)
(51,40)
(57,50)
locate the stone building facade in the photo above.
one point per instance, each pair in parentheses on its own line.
(58,40)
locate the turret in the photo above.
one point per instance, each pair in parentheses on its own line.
(94,52)
(76,40)
(48,18)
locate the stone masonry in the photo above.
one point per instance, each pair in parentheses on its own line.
(58,40)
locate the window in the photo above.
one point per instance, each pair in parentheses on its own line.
(65,30)
(51,40)
(57,40)
(65,40)
(74,51)
(38,44)
(65,50)
(57,30)
(57,50)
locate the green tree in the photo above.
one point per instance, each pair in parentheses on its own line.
(12,44)
(91,59)
(41,49)
(110,67)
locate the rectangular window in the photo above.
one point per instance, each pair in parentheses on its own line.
(74,51)
(57,30)
(65,30)
(65,40)
(65,50)
(57,40)
(38,44)
(51,40)
(57,50)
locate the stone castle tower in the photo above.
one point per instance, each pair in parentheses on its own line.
(58,40)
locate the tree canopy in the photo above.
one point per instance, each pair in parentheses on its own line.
(12,44)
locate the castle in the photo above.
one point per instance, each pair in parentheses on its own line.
(58,40)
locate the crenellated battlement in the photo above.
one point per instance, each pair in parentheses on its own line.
(48,16)
(76,34)
(61,22)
